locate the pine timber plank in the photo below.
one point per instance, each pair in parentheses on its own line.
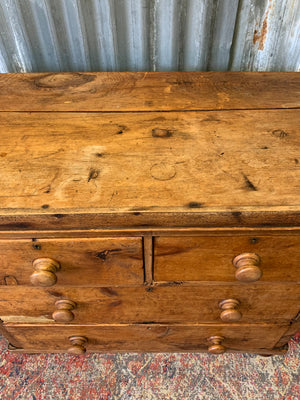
(268,303)
(154,338)
(149,91)
(83,261)
(202,258)
(197,168)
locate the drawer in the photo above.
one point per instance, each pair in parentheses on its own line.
(150,338)
(268,303)
(72,261)
(211,258)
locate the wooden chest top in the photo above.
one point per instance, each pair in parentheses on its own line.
(156,149)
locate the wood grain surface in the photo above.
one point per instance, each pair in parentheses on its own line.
(236,168)
(269,303)
(210,258)
(84,261)
(148,91)
(153,338)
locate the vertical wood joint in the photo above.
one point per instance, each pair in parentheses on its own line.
(148,259)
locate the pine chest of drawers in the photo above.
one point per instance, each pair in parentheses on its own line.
(149,211)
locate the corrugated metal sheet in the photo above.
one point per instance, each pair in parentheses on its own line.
(140,35)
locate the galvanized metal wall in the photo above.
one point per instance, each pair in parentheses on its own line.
(136,35)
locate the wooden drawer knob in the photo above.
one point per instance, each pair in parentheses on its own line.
(216,346)
(77,343)
(63,311)
(44,274)
(247,265)
(230,312)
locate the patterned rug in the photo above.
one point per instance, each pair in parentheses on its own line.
(150,376)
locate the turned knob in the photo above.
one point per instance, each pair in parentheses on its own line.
(216,346)
(230,312)
(77,343)
(63,311)
(247,265)
(44,274)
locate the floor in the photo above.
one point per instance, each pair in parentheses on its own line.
(150,376)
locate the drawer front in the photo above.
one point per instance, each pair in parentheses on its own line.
(77,262)
(268,303)
(211,258)
(150,338)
